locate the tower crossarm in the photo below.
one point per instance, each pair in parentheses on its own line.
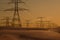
(12,9)
(13,1)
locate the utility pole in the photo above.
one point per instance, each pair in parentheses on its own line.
(16,17)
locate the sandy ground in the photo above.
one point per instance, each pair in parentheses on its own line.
(31,35)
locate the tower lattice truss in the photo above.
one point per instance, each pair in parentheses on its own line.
(16,17)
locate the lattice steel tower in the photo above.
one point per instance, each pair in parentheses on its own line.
(16,17)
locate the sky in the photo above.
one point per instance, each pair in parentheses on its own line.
(49,9)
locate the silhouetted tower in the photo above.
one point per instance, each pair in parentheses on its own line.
(41,21)
(37,24)
(7,21)
(16,17)
(27,23)
(53,25)
(48,24)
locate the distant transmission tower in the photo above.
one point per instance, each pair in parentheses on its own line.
(16,18)
(7,21)
(41,21)
(27,23)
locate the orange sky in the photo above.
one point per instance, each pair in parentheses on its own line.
(50,9)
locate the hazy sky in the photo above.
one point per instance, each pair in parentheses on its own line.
(50,9)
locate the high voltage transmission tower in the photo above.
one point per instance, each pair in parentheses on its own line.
(16,17)
(5,21)
(27,23)
(41,21)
